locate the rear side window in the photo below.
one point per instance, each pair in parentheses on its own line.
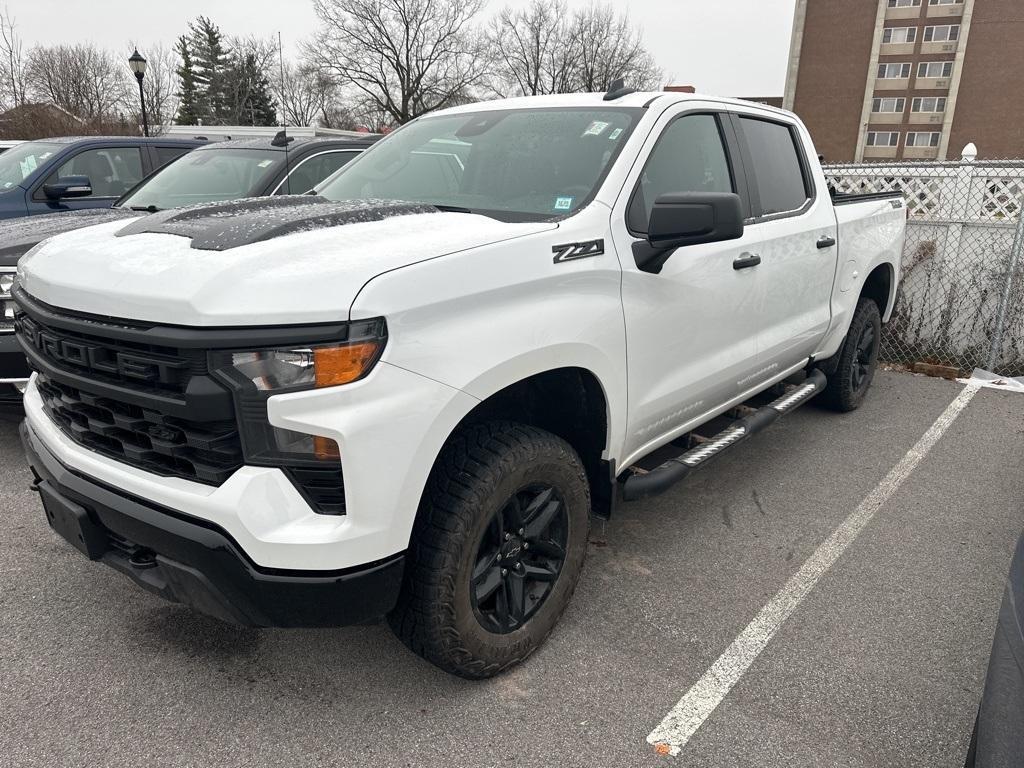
(689,157)
(314,170)
(776,163)
(164,155)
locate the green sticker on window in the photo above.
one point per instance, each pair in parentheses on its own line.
(564,203)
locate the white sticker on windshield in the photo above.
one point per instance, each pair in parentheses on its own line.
(596,128)
(45,155)
(265,163)
(564,203)
(615,134)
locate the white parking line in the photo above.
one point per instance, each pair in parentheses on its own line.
(700,701)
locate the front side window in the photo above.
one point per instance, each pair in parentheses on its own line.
(312,171)
(510,164)
(112,171)
(689,157)
(207,176)
(893,71)
(20,162)
(942,34)
(928,104)
(891,105)
(923,139)
(883,138)
(935,69)
(774,153)
(899,35)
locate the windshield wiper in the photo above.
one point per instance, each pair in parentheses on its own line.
(145,208)
(450,208)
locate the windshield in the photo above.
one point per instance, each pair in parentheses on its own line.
(20,162)
(515,165)
(206,176)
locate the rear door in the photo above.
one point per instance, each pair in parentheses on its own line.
(691,341)
(794,225)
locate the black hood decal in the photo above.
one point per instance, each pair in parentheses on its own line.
(222,226)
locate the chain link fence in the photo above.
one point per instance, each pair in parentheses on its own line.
(960,304)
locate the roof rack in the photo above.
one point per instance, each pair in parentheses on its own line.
(617,90)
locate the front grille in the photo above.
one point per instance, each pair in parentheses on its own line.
(206,452)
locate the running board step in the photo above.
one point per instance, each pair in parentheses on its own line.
(660,479)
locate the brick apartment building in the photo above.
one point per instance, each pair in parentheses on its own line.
(909,79)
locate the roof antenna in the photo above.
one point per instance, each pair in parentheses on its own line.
(282,139)
(617,90)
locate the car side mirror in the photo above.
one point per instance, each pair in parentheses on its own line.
(68,186)
(679,219)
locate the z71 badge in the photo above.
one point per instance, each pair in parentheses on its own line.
(573,251)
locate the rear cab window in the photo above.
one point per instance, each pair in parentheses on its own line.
(777,170)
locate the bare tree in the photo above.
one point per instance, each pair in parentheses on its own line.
(307,95)
(81,79)
(403,57)
(13,89)
(533,49)
(609,48)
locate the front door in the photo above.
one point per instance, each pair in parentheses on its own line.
(691,343)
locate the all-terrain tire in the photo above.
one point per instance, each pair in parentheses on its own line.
(480,469)
(852,369)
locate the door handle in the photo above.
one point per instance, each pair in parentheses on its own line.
(825,241)
(746,261)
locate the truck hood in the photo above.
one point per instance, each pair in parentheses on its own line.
(18,236)
(255,262)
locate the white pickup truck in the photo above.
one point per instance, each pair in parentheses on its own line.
(407,394)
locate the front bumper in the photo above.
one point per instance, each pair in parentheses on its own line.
(197,563)
(14,370)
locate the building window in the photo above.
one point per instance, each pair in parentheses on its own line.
(935,69)
(939,2)
(883,139)
(888,105)
(904,3)
(923,139)
(893,71)
(928,104)
(944,33)
(900,34)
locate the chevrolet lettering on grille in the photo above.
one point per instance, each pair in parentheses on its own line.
(97,357)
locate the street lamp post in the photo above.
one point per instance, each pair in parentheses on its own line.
(138,65)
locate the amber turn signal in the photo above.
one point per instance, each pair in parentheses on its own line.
(341,365)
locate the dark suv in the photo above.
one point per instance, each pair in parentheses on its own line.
(72,174)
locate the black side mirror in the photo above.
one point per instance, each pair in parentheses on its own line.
(68,186)
(679,219)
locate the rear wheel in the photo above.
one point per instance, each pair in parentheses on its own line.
(851,371)
(496,551)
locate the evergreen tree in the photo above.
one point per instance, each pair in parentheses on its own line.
(254,105)
(190,107)
(211,60)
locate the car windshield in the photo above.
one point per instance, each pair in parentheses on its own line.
(514,165)
(206,176)
(20,162)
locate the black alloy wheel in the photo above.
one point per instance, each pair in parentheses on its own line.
(519,558)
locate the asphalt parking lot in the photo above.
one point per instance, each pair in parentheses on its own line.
(880,665)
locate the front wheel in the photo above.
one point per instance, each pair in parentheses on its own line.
(496,551)
(852,369)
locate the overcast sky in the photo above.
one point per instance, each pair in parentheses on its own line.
(724,47)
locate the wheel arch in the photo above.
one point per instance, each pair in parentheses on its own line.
(880,287)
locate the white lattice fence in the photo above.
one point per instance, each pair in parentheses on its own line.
(961,300)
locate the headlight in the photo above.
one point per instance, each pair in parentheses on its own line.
(7,275)
(256,374)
